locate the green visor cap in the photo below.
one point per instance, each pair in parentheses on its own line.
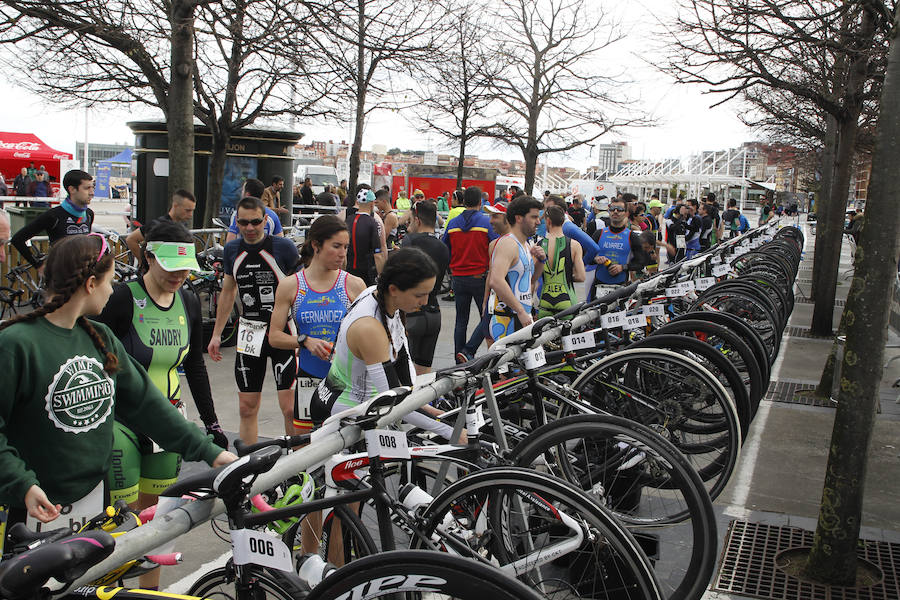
(175,256)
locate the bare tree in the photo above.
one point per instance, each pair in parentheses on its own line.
(554,94)
(231,62)
(370,45)
(833,556)
(455,90)
(86,53)
(821,53)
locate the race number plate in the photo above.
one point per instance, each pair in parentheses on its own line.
(251,335)
(579,341)
(720,270)
(387,443)
(613,320)
(635,322)
(654,310)
(686,286)
(716,260)
(534,358)
(673,292)
(114,238)
(704,283)
(259,548)
(680,242)
(602,290)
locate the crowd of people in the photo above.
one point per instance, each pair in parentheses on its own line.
(353,312)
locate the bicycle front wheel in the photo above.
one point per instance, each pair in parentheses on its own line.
(219,584)
(414,574)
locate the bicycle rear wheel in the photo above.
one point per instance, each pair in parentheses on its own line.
(552,536)
(675,397)
(645,482)
(413,574)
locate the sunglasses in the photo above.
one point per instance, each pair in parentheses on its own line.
(104,247)
(245,222)
(616,209)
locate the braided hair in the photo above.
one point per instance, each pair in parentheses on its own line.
(71,262)
(405,268)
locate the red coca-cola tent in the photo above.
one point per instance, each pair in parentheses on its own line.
(18,150)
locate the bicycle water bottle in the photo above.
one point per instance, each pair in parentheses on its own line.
(313,569)
(412,496)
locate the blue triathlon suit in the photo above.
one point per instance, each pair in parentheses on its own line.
(316,314)
(504,320)
(617,248)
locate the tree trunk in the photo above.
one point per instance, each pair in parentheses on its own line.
(833,557)
(828,154)
(462,158)
(830,231)
(180,110)
(361,83)
(860,39)
(216,174)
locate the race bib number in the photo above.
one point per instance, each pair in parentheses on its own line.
(73,515)
(613,320)
(635,322)
(114,238)
(720,270)
(673,292)
(716,260)
(534,358)
(259,548)
(251,335)
(579,341)
(704,283)
(387,443)
(680,242)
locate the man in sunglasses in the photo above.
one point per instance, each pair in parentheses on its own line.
(619,245)
(254,264)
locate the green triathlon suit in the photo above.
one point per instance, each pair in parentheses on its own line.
(558,292)
(161,339)
(57,416)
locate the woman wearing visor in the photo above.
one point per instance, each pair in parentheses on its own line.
(159,323)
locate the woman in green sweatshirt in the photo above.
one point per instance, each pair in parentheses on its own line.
(67,380)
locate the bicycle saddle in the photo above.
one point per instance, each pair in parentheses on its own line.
(20,535)
(65,561)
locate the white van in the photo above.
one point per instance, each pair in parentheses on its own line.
(319,175)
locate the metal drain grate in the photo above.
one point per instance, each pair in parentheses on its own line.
(837,303)
(803,332)
(792,392)
(748,566)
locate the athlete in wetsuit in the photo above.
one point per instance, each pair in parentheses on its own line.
(72,217)
(254,265)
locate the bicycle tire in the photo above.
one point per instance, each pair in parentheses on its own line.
(606,446)
(355,538)
(619,569)
(713,361)
(740,328)
(728,344)
(708,434)
(420,574)
(219,584)
(751,309)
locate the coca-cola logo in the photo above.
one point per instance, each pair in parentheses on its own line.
(60,156)
(22,155)
(20,145)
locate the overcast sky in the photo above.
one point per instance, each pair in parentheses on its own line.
(686,124)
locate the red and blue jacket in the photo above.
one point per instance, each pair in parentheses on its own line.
(468,235)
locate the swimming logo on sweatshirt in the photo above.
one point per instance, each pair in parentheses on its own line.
(80,397)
